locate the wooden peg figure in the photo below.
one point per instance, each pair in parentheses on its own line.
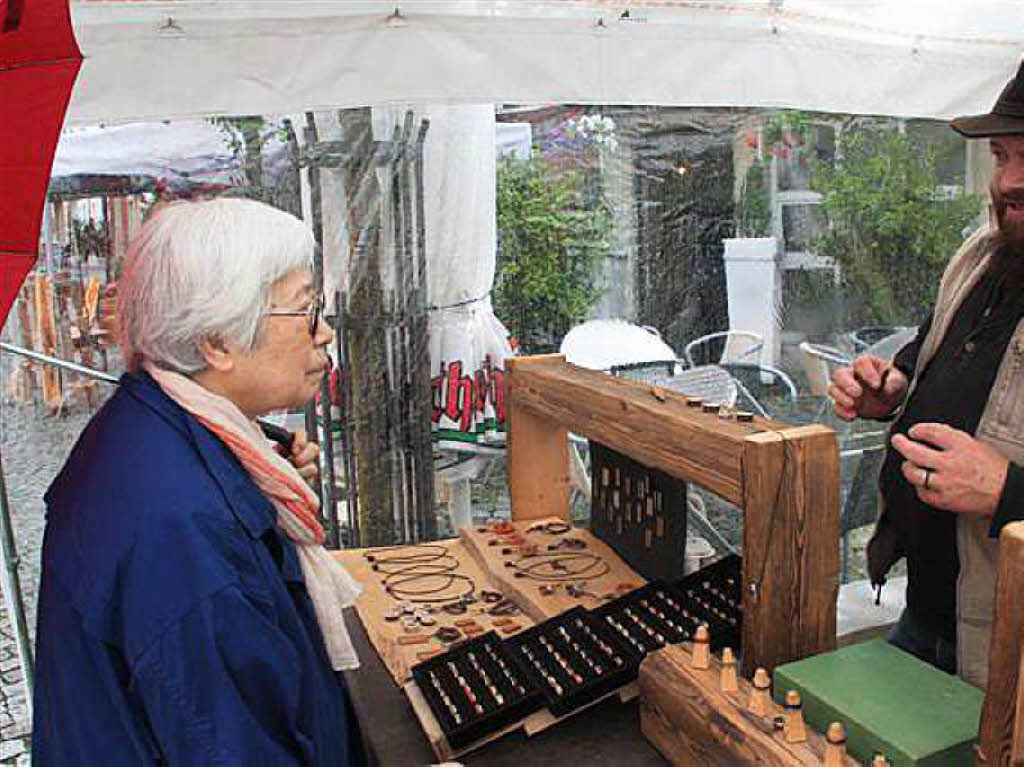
(702,647)
(835,745)
(761,696)
(729,683)
(793,714)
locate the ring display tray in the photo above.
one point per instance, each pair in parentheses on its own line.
(488,686)
(476,689)
(713,595)
(573,659)
(649,618)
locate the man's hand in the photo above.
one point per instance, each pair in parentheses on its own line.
(870,388)
(951,469)
(304,455)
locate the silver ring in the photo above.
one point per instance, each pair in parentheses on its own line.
(927,479)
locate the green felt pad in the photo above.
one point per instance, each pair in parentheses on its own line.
(888,701)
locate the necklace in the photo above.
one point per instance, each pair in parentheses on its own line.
(559,567)
(425,595)
(412,565)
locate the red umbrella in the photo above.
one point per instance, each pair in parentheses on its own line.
(39,61)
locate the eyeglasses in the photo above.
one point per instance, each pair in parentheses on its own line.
(313,314)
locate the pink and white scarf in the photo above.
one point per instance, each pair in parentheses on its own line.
(330,587)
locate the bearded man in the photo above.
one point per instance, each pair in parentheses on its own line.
(954,473)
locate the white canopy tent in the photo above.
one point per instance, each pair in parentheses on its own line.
(913,58)
(191,149)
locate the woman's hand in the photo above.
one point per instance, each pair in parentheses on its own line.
(870,388)
(305,456)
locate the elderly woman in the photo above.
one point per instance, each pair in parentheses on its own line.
(188,613)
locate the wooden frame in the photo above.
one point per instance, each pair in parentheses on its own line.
(785,479)
(1001,732)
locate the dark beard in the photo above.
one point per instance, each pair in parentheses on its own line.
(1011,233)
(1007,262)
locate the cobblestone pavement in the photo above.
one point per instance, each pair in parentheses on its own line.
(33,446)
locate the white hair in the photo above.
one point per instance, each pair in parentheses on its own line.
(204,270)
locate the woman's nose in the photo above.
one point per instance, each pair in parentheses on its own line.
(324,333)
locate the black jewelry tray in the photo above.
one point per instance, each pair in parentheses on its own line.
(715,595)
(649,616)
(517,702)
(594,677)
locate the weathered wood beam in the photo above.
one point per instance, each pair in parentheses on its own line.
(627,417)
(687,716)
(538,463)
(1001,734)
(790,545)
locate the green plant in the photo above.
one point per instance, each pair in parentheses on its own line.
(754,213)
(550,242)
(889,224)
(788,128)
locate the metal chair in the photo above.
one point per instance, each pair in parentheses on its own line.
(861,339)
(711,383)
(889,346)
(740,346)
(818,362)
(757,383)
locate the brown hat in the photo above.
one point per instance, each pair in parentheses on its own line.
(1006,117)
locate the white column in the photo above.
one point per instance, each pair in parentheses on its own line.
(753,286)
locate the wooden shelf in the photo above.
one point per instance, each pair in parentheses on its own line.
(785,479)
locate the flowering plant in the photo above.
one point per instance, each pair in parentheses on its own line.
(594,129)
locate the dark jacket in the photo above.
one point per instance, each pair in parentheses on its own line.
(174,623)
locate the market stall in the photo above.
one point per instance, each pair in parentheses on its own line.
(523,625)
(512,601)
(704,648)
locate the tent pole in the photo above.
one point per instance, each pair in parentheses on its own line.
(12,592)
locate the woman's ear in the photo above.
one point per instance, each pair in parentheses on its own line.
(217,354)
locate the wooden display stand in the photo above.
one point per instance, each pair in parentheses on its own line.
(485,565)
(687,716)
(785,479)
(1001,733)
(526,592)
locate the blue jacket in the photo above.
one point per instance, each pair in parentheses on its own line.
(174,624)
